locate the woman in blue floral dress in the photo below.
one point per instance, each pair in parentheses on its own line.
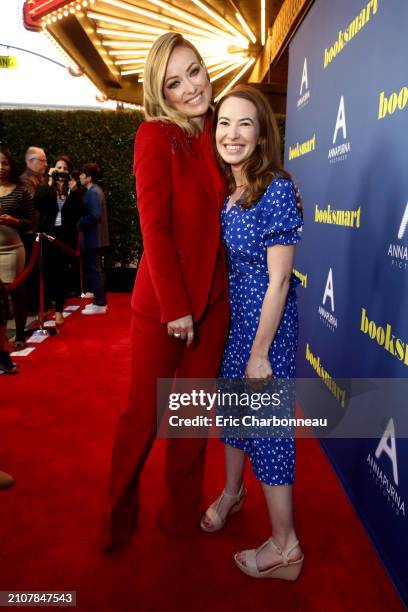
(261,224)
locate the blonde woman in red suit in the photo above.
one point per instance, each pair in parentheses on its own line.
(180,304)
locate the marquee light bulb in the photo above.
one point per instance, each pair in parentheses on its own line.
(122,34)
(183,14)
(133,52)
(163,18)
(263,22)
(125,22)
(246,27)
(235,79)
(127,72)
(222,21)
(128,62)
(225,72)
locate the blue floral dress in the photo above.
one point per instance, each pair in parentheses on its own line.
(275,219)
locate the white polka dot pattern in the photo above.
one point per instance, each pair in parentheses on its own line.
(275,219)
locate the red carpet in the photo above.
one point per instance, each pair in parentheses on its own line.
(57,423)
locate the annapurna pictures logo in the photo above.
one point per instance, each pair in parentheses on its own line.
(304,92)
(339,152)
(387,449)
(327,317)
(398,252)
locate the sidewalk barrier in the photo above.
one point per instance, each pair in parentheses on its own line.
(38,253)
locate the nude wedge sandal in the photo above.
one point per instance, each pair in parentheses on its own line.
(287,570)
(212,512)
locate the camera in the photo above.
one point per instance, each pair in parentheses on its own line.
(60,176)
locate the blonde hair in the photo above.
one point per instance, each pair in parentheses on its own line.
(154,102)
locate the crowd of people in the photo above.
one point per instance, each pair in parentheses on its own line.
(69,210)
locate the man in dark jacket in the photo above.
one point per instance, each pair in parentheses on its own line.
(94,227)
(36,164)
(32,178)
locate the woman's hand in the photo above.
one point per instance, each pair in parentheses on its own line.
(182,328)
(9,220)
(50,173)
(258,367)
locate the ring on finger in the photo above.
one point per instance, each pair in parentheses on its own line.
(176,334)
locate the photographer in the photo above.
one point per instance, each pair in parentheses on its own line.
(60,206)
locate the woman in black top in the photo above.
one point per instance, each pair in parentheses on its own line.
(60,206)
(17,214)
(6,365)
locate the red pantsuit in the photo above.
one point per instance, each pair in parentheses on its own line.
(179,195)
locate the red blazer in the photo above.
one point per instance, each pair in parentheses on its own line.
(180,192)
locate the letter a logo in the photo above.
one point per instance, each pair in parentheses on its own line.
(329,290)
(304,78)
(404,224)
(389,449)
(341,121)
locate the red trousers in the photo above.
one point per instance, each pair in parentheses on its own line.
(155,355)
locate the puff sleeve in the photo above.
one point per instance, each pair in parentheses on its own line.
(280,216)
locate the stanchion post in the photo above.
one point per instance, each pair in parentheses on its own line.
(81,273)
(41,236)
(41,271)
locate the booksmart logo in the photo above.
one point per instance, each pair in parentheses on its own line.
(346,218)
(388,106)
(301,277)
(327,317)
(304,92)
(335,390)
(398,252)
(302,149)
(388,447)
(345,36)
(384,337)
(339,153)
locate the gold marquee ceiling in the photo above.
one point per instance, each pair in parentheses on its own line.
(108,40)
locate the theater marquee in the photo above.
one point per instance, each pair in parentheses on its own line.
(108,40)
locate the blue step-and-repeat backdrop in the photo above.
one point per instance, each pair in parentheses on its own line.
(347,145)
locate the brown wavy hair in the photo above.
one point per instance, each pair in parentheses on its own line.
(264,164)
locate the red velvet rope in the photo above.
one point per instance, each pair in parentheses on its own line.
(63,246)
(23,275)
(34,256)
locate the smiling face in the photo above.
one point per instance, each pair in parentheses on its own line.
(186,86)
(237,131)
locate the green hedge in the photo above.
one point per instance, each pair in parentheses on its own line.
(105,137)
